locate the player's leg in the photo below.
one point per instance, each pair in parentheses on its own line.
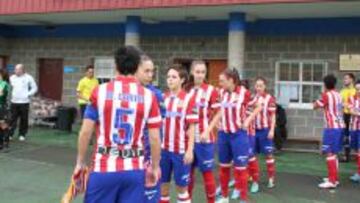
(205,162)
(330,138)
(355,144)
(166,170)
(182,178)
(267,148)
(225,158)
(133,188)
(240,151)
(253,165)
(192,172)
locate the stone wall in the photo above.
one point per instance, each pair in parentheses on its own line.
(260,58)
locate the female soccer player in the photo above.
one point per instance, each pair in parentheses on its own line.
(263,141)
(233,142)
(205,97)
(178,142)
(354,106)
(332,137)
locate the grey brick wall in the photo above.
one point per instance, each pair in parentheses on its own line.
(260,58)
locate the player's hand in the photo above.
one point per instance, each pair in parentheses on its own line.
(204,135)
(78,168)
(188,157)
(271,134)
(152,176)
(246,125)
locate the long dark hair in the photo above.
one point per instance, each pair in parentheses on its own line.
(232,73)
(4,75)
(191,83)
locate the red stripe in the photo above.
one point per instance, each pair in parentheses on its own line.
(51,6)
(168,124)
(227,113)
(138,121)
(107,124)
(177,129)
(124,104)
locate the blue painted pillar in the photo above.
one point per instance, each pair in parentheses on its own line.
(132,31)
(236,42)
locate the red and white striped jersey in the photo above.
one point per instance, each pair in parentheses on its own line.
(233,108)
(205,97)
(354,104)
(181,111)
(268,109)
(333,109)
(252,127)
(124,109)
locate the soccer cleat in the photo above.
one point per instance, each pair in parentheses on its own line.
(254,187)
(235,194)
(355,178)
(22,138)
(337,183)
(271,183)
(218,191)
(327,185)
(223,200)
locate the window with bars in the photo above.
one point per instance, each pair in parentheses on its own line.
(299,83)
(104,69)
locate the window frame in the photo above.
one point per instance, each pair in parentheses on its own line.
(300,83)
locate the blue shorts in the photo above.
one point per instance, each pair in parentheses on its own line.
(252,150)
(263,144)
(332,140)
(117,187)
(171,161)
(233,147)
(355,140)
(204,156)
(153,194)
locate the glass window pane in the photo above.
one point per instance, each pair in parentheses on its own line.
(288,93)
(317,90)
(306,94)
(284,71)
(294,72)
(310,93)
(307,72)
(319,72)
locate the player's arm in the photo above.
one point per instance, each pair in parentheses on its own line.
(189,154)
(353,110)
(85,134)
(252,115)
(191,118)
(272,112)
(79,90)
(91,117)
(153,125)
(322,102)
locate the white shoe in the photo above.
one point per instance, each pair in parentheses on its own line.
(22,138)
(337,183)
(327,185)
(235,194)
(223,200)
(355,178)
(232,183)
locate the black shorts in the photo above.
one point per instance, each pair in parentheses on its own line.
(4,114)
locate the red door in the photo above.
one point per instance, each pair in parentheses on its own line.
(51,78)
(215,68)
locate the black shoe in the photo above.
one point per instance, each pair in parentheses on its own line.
(1,147)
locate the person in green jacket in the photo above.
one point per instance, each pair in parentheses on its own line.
(4,127)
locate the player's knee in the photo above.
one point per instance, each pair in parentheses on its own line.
(181,189)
